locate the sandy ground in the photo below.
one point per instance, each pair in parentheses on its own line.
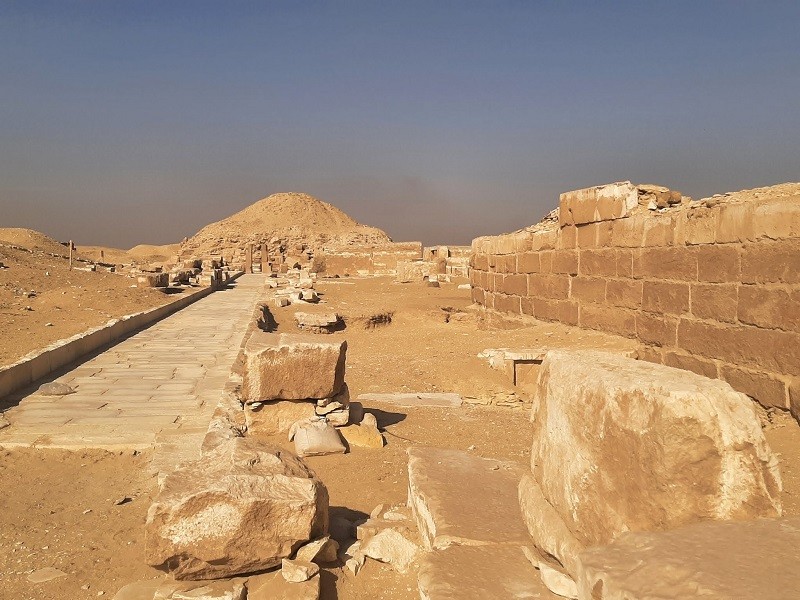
(44,521)
(42,300)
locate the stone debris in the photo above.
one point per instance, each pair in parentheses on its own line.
(45,574)
(55,388)
(733,559)
(317,438)
(3,421)
(309,296)
(364,435)
(435,400)
(323,550)
(280,302)
(241,508)
(631,456)
(298,571)
(139,590)
(449,508)
(552,577)
(272,586)
(318,322)
(292,367)
(202,590)
(392,547)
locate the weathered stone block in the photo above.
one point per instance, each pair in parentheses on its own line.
(771,262)
(292,367)
(241,508)
(665,263)
(528,262)
(713,560)
(656,329)
(625,293)
(769,307)
(549,286)
(717,264)
(769,390)
(665,297)
(276,416)
(621,444)
(714,301)
(588,289)
(701,366)
(619,321)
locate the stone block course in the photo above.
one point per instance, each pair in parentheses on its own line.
(621,321)
(625,293)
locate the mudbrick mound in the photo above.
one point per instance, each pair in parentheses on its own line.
(286,220)
(31,240)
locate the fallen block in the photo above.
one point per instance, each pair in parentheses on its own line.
(624,445)
(450,507)
(742,559)
(241,508)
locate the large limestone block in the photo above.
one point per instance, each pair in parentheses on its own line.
(458,498)
(272,586)
(241,508)
(479,573)
(620,444)
(292,367)
(751,559)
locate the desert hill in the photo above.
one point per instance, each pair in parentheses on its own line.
(289,220)
(32,240)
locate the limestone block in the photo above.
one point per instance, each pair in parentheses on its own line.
(315,438)
(450,508)
(620,444)
(363,436)
(277,416)
(752,559)
(153,279)
(241,508)
(547,528)
(292,367)
(479,573)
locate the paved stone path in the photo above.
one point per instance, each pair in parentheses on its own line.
(159,385)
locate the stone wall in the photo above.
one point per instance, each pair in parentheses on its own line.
(381,260)
(711,286)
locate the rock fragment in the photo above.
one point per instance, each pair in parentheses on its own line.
(55,388)
(298,571)
(316,438)
(323,550)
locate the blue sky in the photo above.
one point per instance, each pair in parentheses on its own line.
(128,122)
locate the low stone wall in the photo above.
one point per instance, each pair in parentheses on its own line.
(710,286)
(381,260)
(41,363)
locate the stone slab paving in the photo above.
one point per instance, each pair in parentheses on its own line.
(162,383)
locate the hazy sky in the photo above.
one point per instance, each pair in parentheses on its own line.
(128,122)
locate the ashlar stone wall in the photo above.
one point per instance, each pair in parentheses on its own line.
(712,286)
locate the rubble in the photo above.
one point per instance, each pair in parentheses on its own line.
(298,571)
(318,322)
